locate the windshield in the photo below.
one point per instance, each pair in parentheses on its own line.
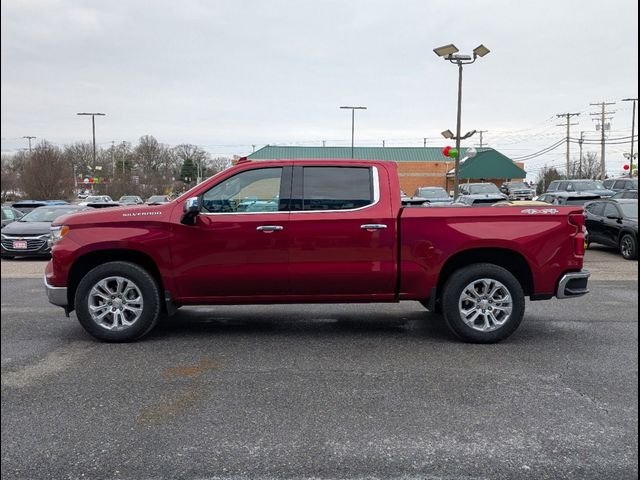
(96,199)
(432,193)
(582,186)
(157,198)
(128,199)
(629,209)
(46,214)
(518,185)
(483,188)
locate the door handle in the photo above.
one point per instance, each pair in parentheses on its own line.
(269,228)
(373,226)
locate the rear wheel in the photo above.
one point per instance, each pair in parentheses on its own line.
(118,302)
(483,303)
(629,247)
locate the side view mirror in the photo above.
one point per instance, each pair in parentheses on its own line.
(191,211)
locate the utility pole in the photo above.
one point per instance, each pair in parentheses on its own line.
(93,129)
(633,132)
(424,142)
(481,142)
(603,118)
(28,137)
(324,142)
(580,142)
(113,158)
(353,116)
(382,143)
(253,148)
(568,125)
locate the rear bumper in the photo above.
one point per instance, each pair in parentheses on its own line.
(56,295)
(573,284)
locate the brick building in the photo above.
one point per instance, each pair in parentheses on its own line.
(417,166)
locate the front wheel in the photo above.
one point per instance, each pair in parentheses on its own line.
(117,302)
(483,303)
(629,247)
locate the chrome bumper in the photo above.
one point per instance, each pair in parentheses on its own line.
(573,284)
(56,295)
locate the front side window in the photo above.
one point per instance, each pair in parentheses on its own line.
(249,191)
(336,188)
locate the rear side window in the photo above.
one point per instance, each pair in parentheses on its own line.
(553,186)
(620,185)
(336,188)
(611,210)
(608,183)
(595,209)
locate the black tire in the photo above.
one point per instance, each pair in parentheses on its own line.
(455,286)
(629,247)
(149,291)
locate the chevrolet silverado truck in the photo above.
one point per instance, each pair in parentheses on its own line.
(313,231)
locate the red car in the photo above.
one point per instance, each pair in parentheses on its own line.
(329,231)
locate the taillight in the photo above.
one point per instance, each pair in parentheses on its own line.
(577,220)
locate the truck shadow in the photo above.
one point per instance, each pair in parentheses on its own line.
(232,321)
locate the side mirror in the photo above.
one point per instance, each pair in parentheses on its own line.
(191,211)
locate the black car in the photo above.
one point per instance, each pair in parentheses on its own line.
(10,214)
(614,223)
(29,235)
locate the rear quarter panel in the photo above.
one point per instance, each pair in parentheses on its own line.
(429,237)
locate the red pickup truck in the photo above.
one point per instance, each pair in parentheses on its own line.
(310,232)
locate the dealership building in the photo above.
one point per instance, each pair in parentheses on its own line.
(417,166)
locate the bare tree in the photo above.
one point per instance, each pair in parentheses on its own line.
(46,174)
(590,167)
(187,153)
(545,176)
(10,175)
(216,165)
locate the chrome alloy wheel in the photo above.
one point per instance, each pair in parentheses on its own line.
(115,303)
(485,305)
(626,246)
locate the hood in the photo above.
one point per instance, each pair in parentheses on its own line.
(27,228)
(482,196)
(142,213)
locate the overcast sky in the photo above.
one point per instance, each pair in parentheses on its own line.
(229,74)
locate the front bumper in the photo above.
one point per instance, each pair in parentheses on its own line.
(573,284)
(56,295)
(36,246)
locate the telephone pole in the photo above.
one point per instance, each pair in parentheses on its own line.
(481,142)
(93,129)
(580,142)
(353,115)
(382,143)
(568,125)
(29,137)
(603,118)
(633,131)
(424,142)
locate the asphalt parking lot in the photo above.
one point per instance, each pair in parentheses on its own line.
(324,391)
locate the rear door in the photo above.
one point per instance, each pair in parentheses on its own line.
(342,233)
(611,224)
(594,221)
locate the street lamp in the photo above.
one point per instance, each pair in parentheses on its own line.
(93,127)
(450,53)
(353,109)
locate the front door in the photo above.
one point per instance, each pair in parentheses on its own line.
(343,233)
(238,248)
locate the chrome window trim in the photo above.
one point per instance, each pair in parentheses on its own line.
(376,200)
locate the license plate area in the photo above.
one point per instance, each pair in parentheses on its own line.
(20,244)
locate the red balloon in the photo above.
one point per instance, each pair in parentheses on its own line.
(445,151)
(626,167)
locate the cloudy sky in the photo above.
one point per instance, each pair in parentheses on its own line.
(227,75)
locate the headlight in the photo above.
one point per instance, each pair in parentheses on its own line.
(57,233)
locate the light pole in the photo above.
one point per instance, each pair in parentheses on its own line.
(29,137)
(353,115)
(93,129)
(633,131)
(450,53)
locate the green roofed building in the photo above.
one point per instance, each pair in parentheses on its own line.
(417,166)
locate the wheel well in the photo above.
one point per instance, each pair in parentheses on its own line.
(505,258)
(91,260)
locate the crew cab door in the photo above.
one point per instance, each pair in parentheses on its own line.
(238,248)
(343,233)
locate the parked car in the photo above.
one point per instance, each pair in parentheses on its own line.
(408,201)
(96,199)
(568,198)
(130,200)
(10,214)
(158,199)
(480,194)
(628,194)
(517,191)
(520,203)
(621,184)
(337,235)
(584,186)
(433,194)
(29,235)
(25,206)
(614,223)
